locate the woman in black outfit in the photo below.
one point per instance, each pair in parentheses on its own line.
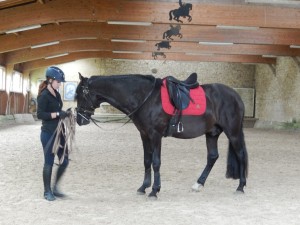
(50,111)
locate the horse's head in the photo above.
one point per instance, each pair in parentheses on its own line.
(86,102)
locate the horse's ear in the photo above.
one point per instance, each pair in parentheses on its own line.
(80,76)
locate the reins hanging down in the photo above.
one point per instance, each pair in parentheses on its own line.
(65,129)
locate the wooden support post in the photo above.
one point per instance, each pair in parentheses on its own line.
(297,61)
(273,68)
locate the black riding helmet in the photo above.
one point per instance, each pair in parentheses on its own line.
(55,73)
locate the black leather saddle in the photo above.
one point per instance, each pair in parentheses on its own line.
(179,91)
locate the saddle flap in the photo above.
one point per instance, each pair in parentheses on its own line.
(179,94)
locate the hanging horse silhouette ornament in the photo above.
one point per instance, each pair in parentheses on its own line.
(155,54)
(183,10)
(209,109)
(174,31)
(163,44)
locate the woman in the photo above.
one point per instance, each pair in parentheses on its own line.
(50,111)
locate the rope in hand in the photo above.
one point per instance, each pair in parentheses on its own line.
(65,129)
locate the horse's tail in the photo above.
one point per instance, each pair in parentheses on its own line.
(170,14)
(233,163)
(164,35)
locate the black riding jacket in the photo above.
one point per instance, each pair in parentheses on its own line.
(47,104)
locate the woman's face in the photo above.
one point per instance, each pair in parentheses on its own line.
(56,84)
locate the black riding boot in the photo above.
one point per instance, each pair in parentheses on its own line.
(47,172)
(59,174)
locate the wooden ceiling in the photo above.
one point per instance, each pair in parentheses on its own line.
(253,33)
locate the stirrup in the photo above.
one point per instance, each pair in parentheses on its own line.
(180,127)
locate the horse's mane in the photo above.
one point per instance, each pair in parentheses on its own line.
(124,76)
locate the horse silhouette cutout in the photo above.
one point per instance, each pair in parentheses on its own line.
(155,54)
(182,11)
(174,31)
(163,44)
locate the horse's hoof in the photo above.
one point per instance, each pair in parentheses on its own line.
(152,196)
(197,187)
(140,192)
(239,191)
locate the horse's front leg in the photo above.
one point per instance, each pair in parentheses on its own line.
(156,161)
(147,165)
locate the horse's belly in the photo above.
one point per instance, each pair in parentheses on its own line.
(192,126)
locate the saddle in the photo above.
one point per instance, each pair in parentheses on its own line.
(179,91)
(179,94)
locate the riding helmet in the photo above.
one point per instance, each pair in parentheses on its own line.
(55,73)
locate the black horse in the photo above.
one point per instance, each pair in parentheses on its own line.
(139,97)
(183,10)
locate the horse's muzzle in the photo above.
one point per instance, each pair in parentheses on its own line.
(81,119)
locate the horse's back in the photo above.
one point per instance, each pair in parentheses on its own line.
(224,102)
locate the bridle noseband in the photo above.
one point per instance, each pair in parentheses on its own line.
(87,98)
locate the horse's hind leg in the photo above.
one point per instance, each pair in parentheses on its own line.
(147,165)
(212,156)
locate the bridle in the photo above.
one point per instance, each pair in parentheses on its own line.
(91,108)
(87,97)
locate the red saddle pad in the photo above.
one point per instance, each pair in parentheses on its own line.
(196,108)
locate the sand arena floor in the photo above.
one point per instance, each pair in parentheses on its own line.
(106,169)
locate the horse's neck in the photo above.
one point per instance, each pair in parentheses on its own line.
(122,92)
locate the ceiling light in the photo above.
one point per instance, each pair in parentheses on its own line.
(128,40)
(45,44)
(237,27)
(23,29)
(294,46)
(129,52)
(269,56)
(130,23)
(215,43)
(54,56)
(288,2)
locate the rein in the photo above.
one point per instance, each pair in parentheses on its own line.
(95,121)
(65,129)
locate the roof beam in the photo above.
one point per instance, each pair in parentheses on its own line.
(157,12)
(77,30)
(193,48)
(28,66)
